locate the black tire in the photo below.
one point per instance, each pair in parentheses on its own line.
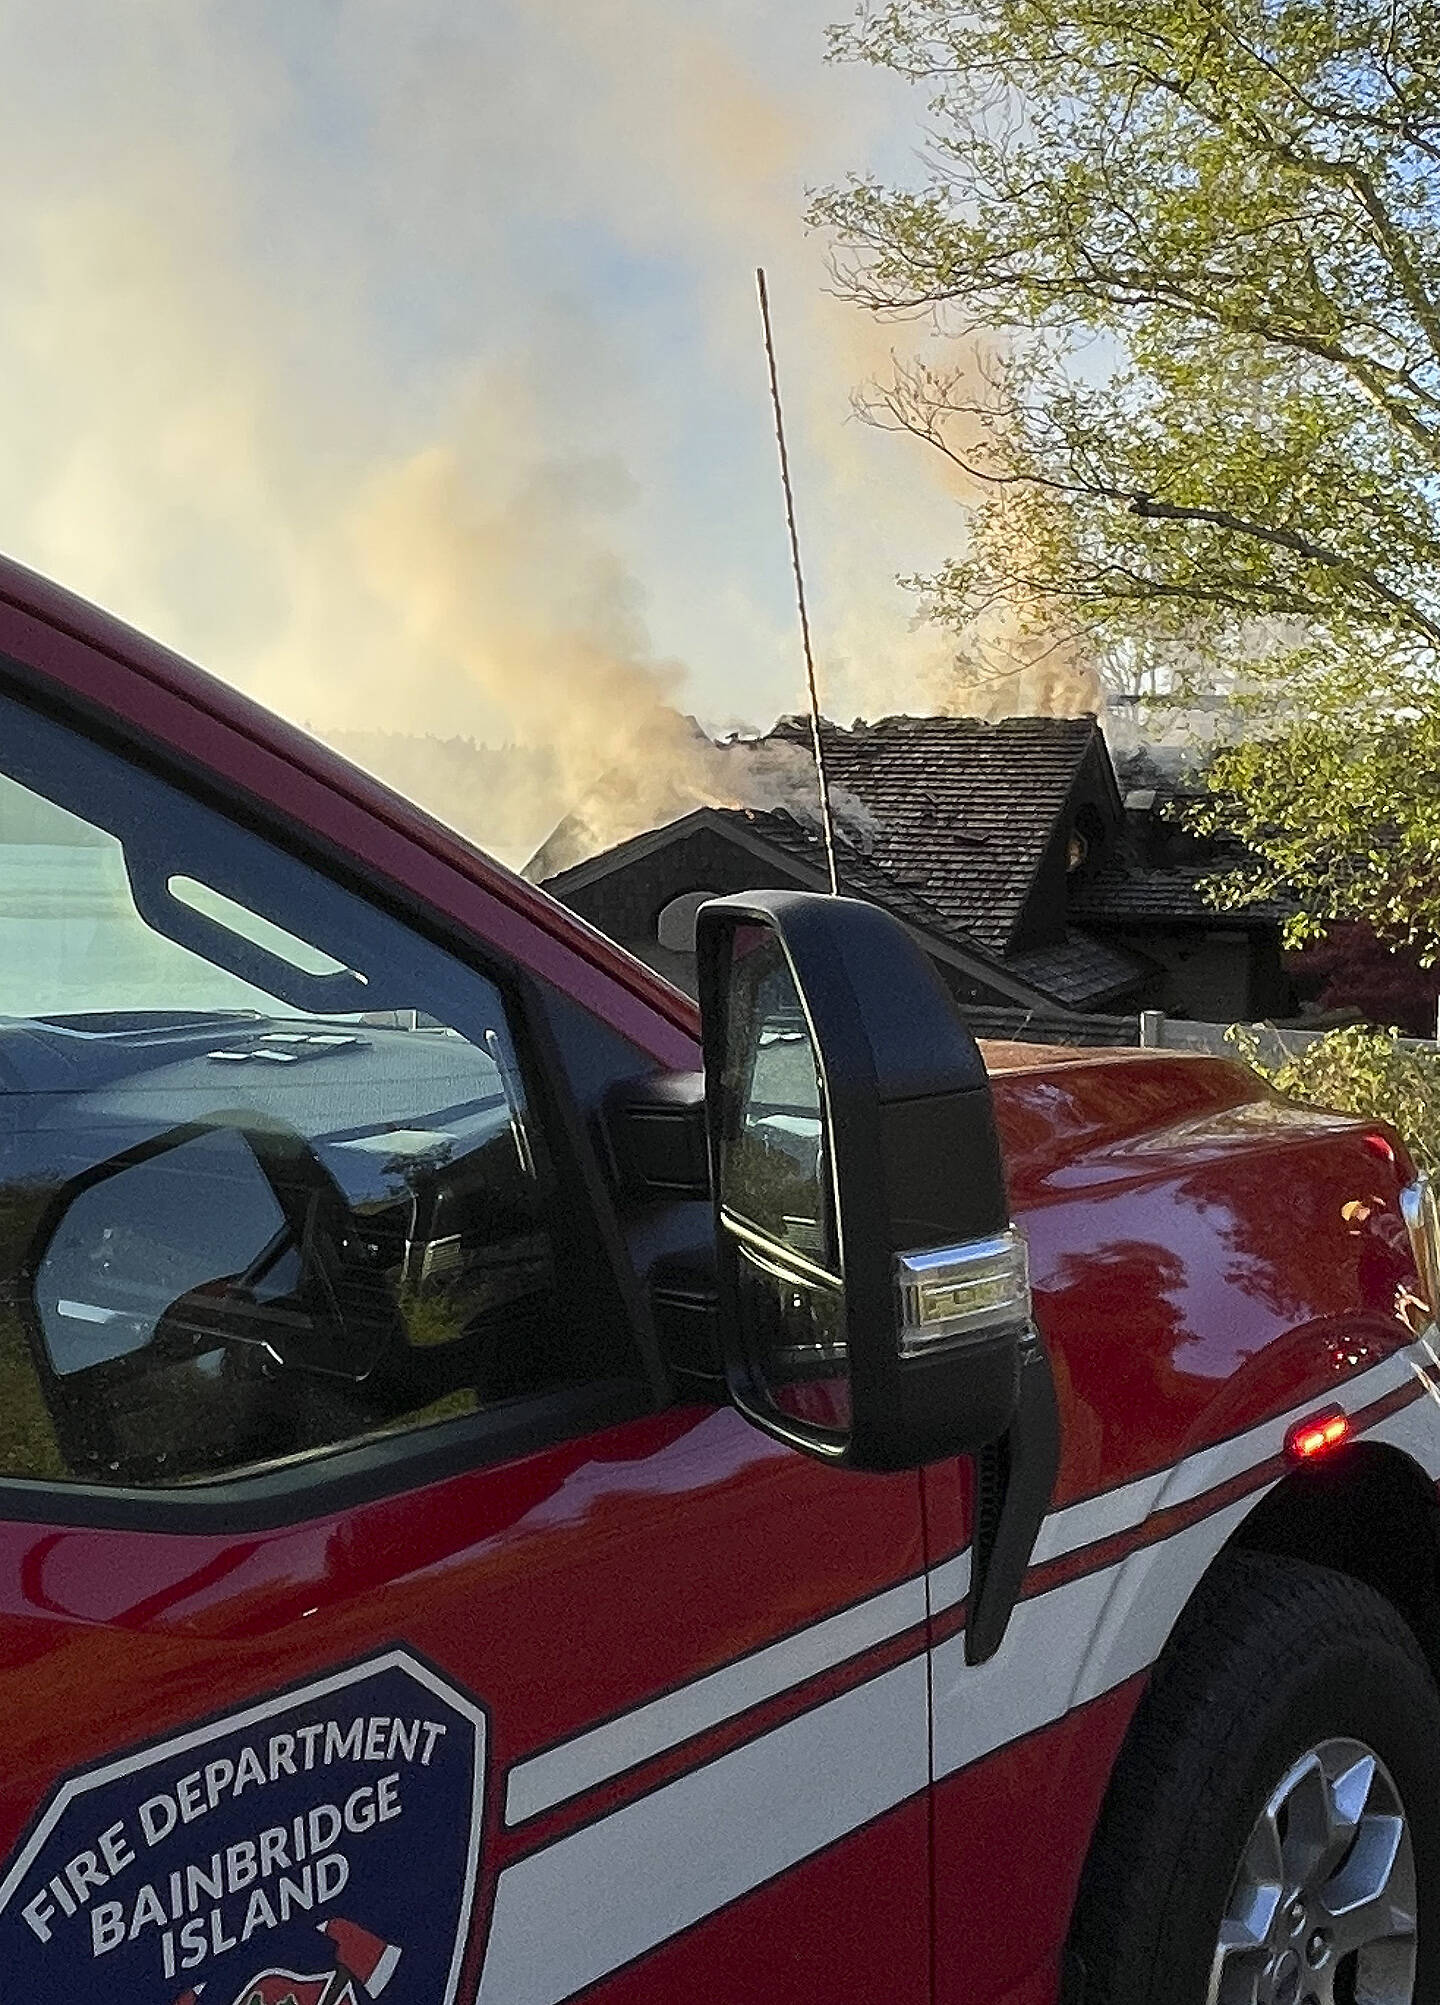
(1271,1658)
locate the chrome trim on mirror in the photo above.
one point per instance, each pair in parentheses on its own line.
(954,1294)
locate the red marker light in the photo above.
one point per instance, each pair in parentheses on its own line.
(1309,1438)
(1379,1145)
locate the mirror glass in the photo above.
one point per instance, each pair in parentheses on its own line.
(776,1192)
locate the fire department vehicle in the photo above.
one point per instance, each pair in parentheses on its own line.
(513,1488)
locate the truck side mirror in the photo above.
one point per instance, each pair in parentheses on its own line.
(873,1296)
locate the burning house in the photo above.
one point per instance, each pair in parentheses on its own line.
(1036,881)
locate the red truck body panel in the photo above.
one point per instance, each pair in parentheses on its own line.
(1190,1252)
(1207,1261)
(168,1628)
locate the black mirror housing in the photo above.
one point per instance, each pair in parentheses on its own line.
(908,1279)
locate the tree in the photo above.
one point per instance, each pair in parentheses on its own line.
(1353,971)
(1196,246)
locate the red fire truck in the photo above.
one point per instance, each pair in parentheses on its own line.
(513,1488)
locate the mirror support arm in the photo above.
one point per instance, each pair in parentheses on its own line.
(1018,1472)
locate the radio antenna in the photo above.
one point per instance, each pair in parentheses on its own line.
(826,822)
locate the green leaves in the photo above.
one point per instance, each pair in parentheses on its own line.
(1359,1071)
(1209,231)
(1341,810)
(1241,202)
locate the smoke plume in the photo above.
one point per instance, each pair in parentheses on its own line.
(301,371)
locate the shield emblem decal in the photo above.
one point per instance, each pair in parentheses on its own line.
(364,1965)
(297,1851)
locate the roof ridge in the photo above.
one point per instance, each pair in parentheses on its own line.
(797,722)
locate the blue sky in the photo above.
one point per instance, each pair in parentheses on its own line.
(401,362)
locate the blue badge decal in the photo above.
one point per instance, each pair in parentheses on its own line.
(320,1846)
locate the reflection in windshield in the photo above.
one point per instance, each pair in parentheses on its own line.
(337,1209)
(248,1222)
(127,1248)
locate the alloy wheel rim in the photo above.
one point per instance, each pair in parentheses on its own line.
(1322,1907)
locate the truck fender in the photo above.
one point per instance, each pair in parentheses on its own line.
(1206,1499)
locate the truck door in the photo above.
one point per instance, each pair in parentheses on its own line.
(371,1619)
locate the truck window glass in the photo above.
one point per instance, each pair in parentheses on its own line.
(237,1226)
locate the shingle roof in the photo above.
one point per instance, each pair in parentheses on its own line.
(1121,891)
(963,809)
(1078,971)
(859,875)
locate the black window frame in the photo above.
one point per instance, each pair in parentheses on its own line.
(329,1479)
